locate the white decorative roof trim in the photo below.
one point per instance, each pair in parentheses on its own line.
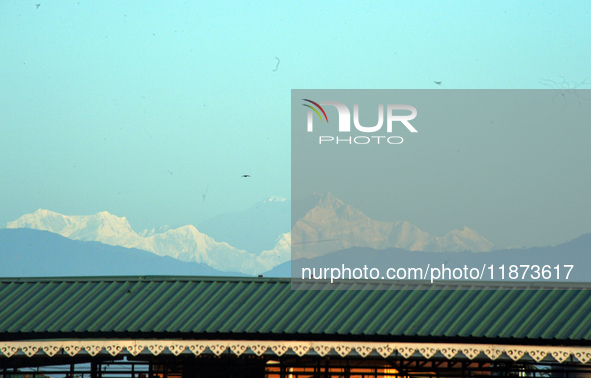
(238,347)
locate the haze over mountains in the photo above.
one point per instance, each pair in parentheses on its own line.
(333,225)
(258,239)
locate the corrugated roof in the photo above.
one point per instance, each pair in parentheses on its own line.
(188,306)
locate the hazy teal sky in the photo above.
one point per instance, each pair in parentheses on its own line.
(139,107)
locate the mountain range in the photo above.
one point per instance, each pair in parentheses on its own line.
(34,253)
(574,253)
(185,243)
(258,239)
(331,225)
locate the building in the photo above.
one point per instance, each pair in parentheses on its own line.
(192,327)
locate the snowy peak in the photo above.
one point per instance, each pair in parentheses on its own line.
(332,225)
(185,243)
(324,224)
(408,236)
(329,200)
(274,199)
(42,220)
(67,225)
(464,240)
(104,227)
(153,231)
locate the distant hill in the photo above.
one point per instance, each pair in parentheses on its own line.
(34,253)
(576,252)
(281,270)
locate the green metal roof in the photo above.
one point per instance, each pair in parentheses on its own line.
(264,307)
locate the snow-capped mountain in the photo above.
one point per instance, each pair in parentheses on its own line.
(154,231)
(188,244)
(332,225)
(326,224)
(275,199)
(103,227)
(278,255)
(184,243)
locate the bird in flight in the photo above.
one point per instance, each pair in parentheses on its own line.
(245,176)
(437,82)
(37,5)
(204,194)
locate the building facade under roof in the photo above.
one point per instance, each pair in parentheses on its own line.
(211,326)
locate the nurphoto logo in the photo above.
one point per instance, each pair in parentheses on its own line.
(345,122)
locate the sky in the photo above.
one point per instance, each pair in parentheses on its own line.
(140,108)
(513,165)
